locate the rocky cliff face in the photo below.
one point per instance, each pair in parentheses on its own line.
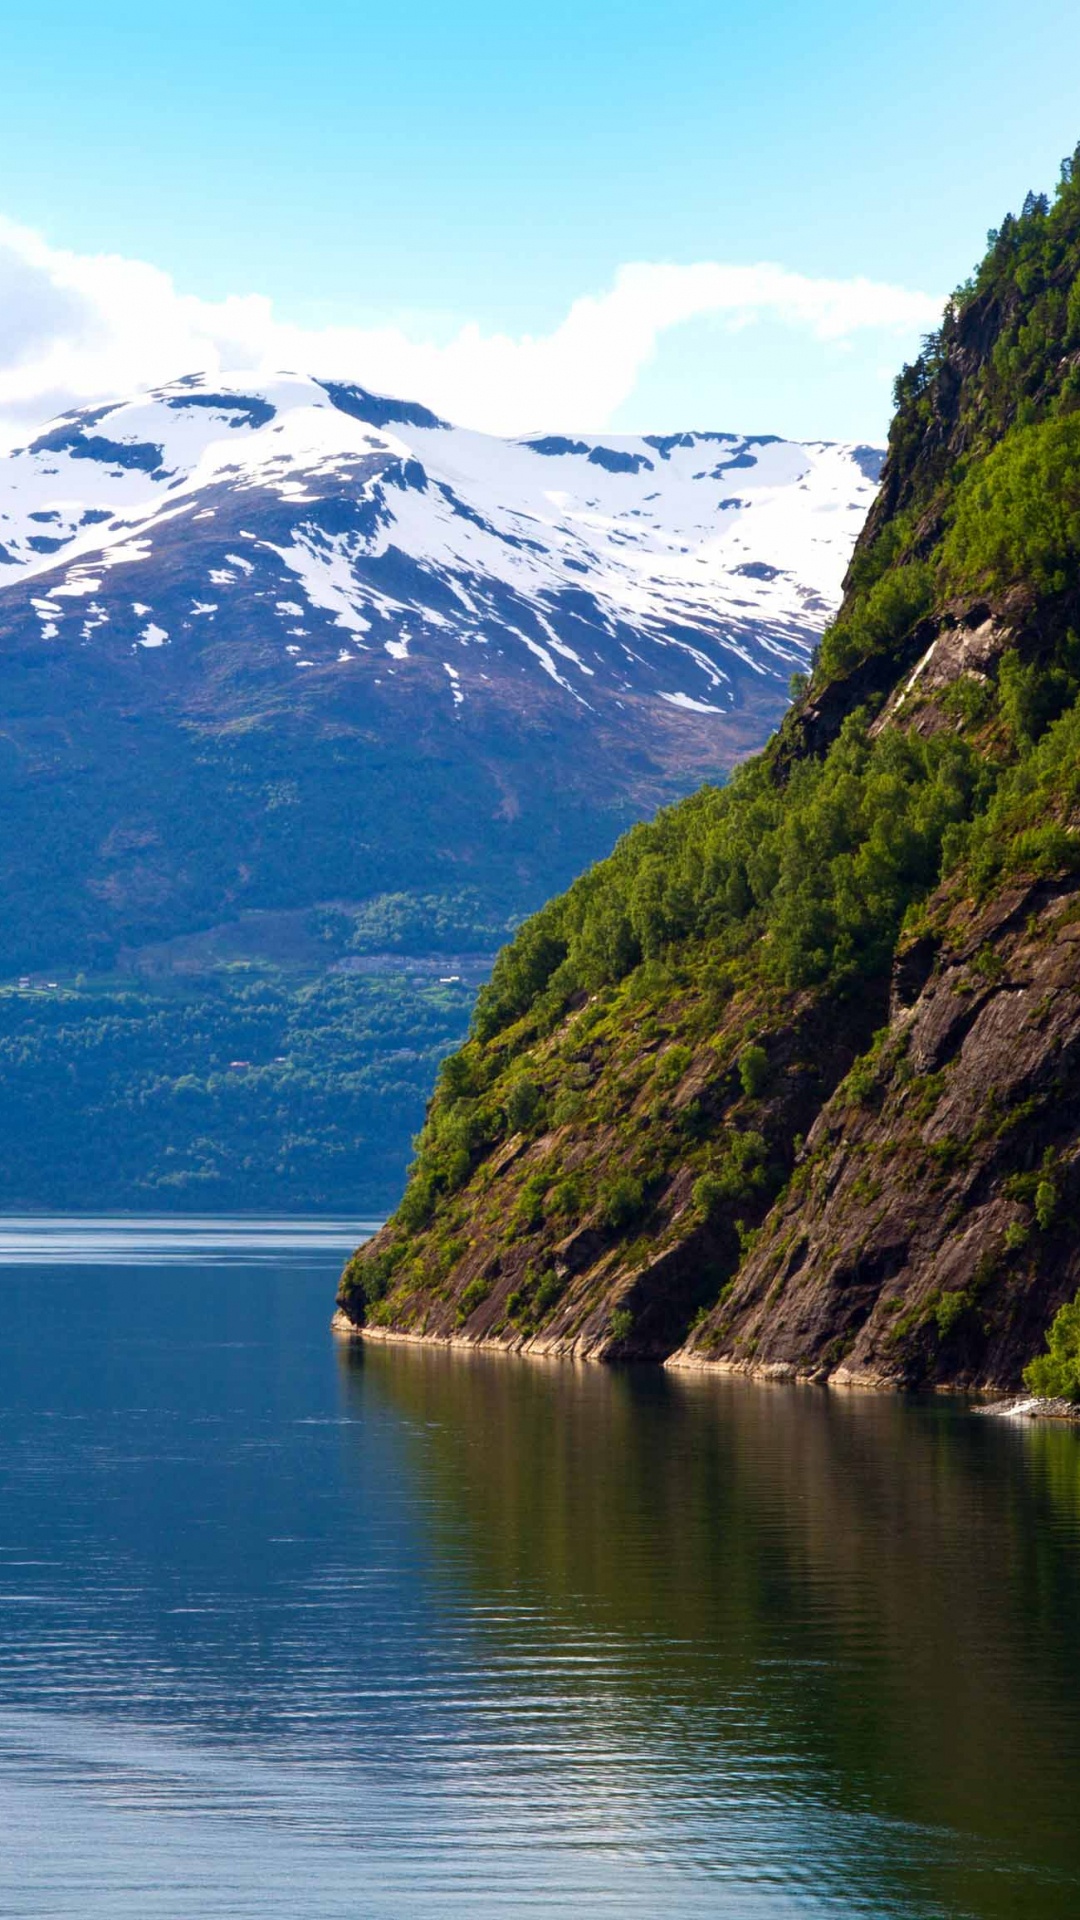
(928,1231)
(791,1084)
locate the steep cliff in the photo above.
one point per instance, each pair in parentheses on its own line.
(792,1080)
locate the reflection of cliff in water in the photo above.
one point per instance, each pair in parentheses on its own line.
(861,1606)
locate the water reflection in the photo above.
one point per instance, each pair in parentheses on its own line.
(846,1620)
(403,1635)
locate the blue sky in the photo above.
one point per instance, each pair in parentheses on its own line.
(435,167)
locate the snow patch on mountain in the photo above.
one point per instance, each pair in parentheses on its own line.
(668,566)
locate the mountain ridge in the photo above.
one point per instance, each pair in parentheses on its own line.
(304,604)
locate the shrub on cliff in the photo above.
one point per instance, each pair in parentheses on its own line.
(1017,514)
(754,1071)
(524,1104)
(1055,1374)
(622,1199)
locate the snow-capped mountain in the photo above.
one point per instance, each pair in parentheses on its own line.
(364,533)
(282,642)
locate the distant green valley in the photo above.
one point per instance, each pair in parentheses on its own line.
(272,1078)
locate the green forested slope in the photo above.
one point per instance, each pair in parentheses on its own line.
(682,1062)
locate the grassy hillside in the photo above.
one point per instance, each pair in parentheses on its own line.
(781,1082)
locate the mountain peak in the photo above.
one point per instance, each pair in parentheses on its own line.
(673,567)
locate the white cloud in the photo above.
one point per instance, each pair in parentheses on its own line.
(81,327)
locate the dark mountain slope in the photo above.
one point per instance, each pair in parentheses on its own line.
(791,1081)
(289,643)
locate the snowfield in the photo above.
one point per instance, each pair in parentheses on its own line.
(364,531)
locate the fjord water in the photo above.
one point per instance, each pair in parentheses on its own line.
(293,1628)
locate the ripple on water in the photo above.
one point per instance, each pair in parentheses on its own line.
(296,1628)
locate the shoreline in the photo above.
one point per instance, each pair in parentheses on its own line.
(345,1329)
(999,1403)
(1029,1406)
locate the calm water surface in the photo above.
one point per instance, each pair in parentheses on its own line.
(292,1630)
